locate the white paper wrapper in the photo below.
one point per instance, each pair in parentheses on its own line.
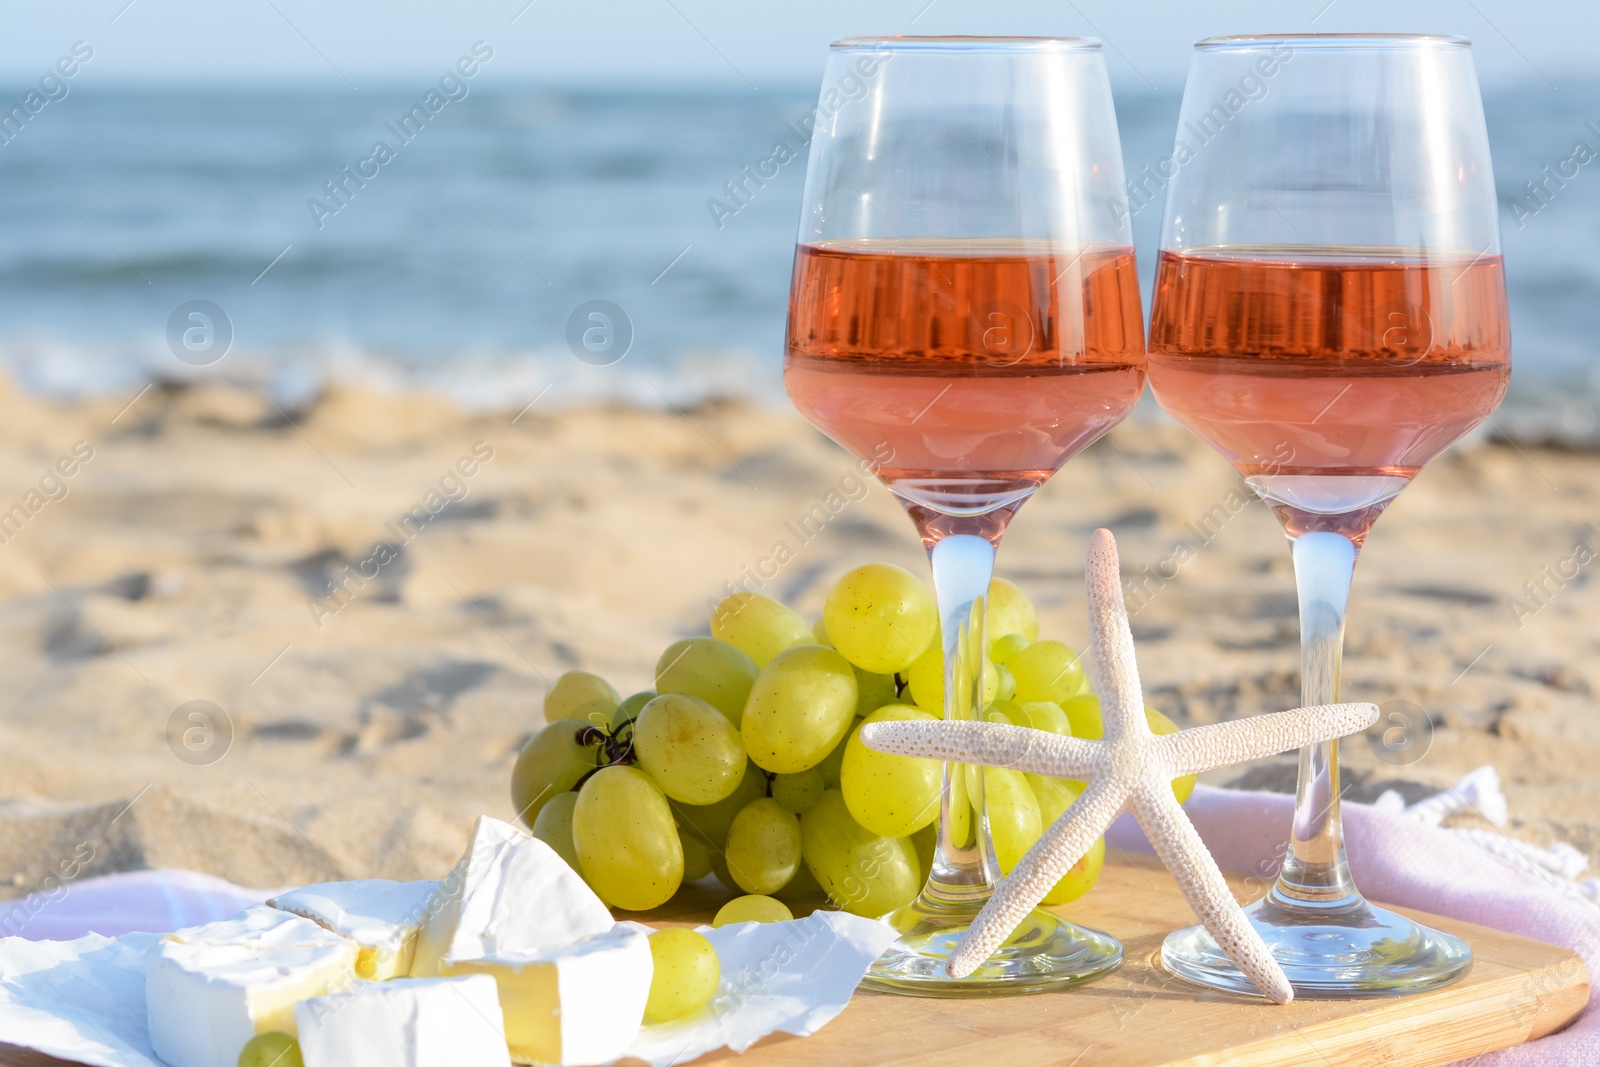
(78,1000)
(83,1000)
(792,977)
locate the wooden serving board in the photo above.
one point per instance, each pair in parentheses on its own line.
(1138,1016)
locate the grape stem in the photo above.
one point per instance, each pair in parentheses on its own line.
(614,748)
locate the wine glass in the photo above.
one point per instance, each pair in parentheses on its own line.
(1330,314)
(965,315)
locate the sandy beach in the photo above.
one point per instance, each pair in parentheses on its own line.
(188,556)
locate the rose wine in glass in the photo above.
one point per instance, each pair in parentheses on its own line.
(1324,402)
(1330,314)
(887,346)
(965,313)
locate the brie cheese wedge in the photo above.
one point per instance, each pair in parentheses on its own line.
(409,1022)
(578,1004)
(210,989)
(380,916)
(511,893)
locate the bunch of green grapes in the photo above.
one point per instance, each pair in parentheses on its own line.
(745,760)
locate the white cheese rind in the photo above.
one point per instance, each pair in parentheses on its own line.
(577,1004)
(407,1022)
(381,916)
(511,893)
(210,989)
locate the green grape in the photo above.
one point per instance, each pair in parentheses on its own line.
(1014,821)
(1044,715)
(1055,796)
(831,763)
(1004,648)
(1006,712)
(926,680)
(801,705)
(553,826)
(696,856)
(802,886)
(924,841)
(719,867)
(1047,670)
(686,974)
(763,848)
(583,696)
(873,691)
(819,630)
(629,710)
(1083,713)
(626,840)
(961,808)
(271,1049)
(1005,683)
(689,748)
(752,909)
(1008,611)
(890,795)
(710,822)
(758,626)
(971,777)
(880,617)
(712,670)
(551,763)
(799,792)
(864,873)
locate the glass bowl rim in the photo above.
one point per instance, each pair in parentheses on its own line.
(1351,41)
(964,43)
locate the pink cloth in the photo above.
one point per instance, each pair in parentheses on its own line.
(1401,861)
(138,901)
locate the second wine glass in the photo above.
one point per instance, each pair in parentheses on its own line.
(965,316)
(1330,314)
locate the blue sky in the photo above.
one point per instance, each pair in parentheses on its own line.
(724,42)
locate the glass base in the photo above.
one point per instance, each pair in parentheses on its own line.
(1345,949)
(1044,953)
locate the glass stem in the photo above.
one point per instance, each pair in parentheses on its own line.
(964,870)
(1315,869)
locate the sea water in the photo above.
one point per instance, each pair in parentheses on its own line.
(468,255)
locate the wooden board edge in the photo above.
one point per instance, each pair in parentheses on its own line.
(1559,997)
(1561,1006)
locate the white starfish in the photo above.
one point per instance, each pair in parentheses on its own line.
(1130,770)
